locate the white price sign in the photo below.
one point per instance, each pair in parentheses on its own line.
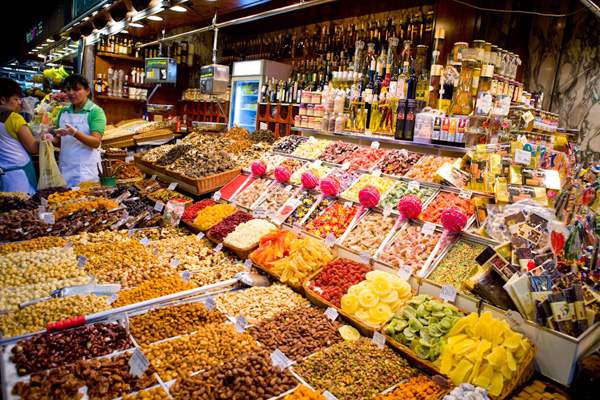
(153,177)
(280,360)
(175,262)
(41,209)
(259,212)
(348,204)
(331,313)
(448,293)
(317,163)
(288,188)
(128,159)
(312,139)
(233,203)
(413,185)
(387,210)
(138,363)
(465,194)
(75,188)
(271,213)
(329,396)
(67,246)
(379,339)
(159,206)
(200,235)
(185,276)
(330,240)
(48,218)
(405,272)
(514,319)
(428,228)
(377,172)
(81,261)
(240,323)
(296,228)
(248,264)
(44,203)
(364,257)
(217,196)
(172,186)
(155,253)
(346,165)
(145,241)
(112,298)
(209,303)
(375,145)
(130,232)
(219,247)
(523,157)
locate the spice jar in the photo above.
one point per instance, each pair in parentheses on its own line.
(304,122)
(310,123)
(297,121)
(339,123)
(315,98)
(306,97)
(462,99)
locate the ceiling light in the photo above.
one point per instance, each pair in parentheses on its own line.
(35,50)
(85,19)
(178,9)
(107,5)
(124,31)
(49,40)
(136,25)
(154,18)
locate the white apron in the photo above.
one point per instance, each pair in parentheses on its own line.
(77,162)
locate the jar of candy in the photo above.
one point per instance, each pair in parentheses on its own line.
(310,110)
(319,110)
(302,109)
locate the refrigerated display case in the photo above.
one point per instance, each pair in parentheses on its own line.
(247,80)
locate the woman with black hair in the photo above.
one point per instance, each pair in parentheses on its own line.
(16,142)
(79,134)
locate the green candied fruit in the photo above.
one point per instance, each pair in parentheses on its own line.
(408,313)
(414,325)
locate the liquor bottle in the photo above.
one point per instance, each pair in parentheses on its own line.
(377,85)
(391,55)
(387,79)
(274,90)
(422,86)
(98,85)
(381,62)
(402,80)
(393,86)
(411,85)
(126,87)
(263,91)
(369,58)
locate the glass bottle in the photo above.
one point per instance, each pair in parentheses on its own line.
(438,45)
(420,58)
(422,86)
(456,54)
(434,86)
(381,62)
(369,58)
(391,55)
(402,79)
(411,85)
(461,98)
(406,54)
(479,45)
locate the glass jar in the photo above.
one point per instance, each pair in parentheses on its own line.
(304,122)
(325,122)
(479,45)
(310,110)
(487,53)
(302,109)
(315,98)
(456,54)
(461,98)
(310,123)
(340,123)
(511,88)
(318,123)
(504,63)
(297,121)
(306,96)
(331,127)
(420,58)
(319,110)
(498,59)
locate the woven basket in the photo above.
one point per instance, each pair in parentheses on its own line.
(174,174)
(160,169)
(242,254)
(119,143)
(212,239)
(130,180)
(213,182)
(190,226)
(143,138)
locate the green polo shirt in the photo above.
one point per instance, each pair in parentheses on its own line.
(96,116)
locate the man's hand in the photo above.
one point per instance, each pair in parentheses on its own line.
(68,131)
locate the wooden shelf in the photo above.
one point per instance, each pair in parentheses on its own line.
(119,99)
(120,56)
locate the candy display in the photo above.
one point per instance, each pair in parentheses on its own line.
(410,248)
(319,170)
(248,196)
(483,351)
(290,164)
(336,153)
(466,390)
(345,178)
(305,257)
(311,149)
(427,167)
(334,220)
(540,389)
(335,369)
(297,333)
(248,234)
(337,277)
(365,157)
(240,182)
(228,225)
(276,198)
(212,215)
(397,162)
(428,321)
(456,265)
(288,144)
(191,212)
(382,185)
(64,211)
(8,203)
(41,243)
(369,233)
(377,298)
(442,201)
(401,189)
(307,200)
(258,303)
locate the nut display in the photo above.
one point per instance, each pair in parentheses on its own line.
(427,167)
(60,197)
(209,345)
(211,163)
(105,378)
(170,321)
(256,151)
(41,243)
(410,248)
(333,220)
(237,147)
(237,133)
(249,195)
(337,277)
(276,198)
(157,152)
(173,154)
(50,350)
(35,317)
(216,268)
(127,171)
(262,135)
(337,152)
(397,162)
(289,143)
(23,268)
(418,388)
(165,195)
(337,368)
(250,376)
(100,203)
(150,290)
(8,203)
(257,303)
(311,148)
(249,233)
(158,233)
(20,195)
(297,333)
(228,225)
(157,393)
(304,393)
(369,233)
(185,249)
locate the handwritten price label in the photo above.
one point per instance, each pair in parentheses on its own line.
(81,261)
(405,272)
(209,303)
(159,206)
(217,196)
(200,235)
(346,165)
(379,340)
(138,363)
(428,228)
(240,323)
(219,247)
(248,264)
(375,145)
(364,257)
(185,276)
(448,293)
(514,319)
(112,298)
(330,240)
(413,185)
(331,313)
(387,210)
(465,194)
(172,186)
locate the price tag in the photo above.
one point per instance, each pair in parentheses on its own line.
(377,172)
(75,188)
(153,177)
(405,272)
(312,139)
(527,117)
(155,253)
(428,228)
(448,293)
(172,186)
(331,313)
(346,165)
(159,206)
(296,228)
(67,246)
(348,204)
(259,212)
(271,213)
(41,209)
(364,257)
(387,210)
(465,193)
(262,125)
(19,230)
(200,235)
(209,303)
(318,163)
(240,323)
(125,214)
(145,241)
(375,145)
(329,396)
(81,261)
(279,359)
(138,363)
(288,188)
(514,319)
(233,203)
(248,264)
(185,276)
(330,240)
(178,142)
(130,232)
(44,202)
(175,262)
(379,340)
(49,218)
(414,185)
(217,196)
(219,247)
(112,298)
(522,157)
(128,159)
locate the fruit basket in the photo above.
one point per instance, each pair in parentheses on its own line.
(175,175)
(242,254)
(191,226)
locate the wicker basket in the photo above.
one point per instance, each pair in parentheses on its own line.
(190,226)
(154,199)
(130,180)
(213,182)
(211,238)
(160,169)
(174,174)
(139,159)
(143,137)
(120,143)
(242,254)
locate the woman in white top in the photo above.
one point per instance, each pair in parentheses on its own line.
(16,142)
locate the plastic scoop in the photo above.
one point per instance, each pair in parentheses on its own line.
(309,180)
(329,186)
(258,169)
(410,206)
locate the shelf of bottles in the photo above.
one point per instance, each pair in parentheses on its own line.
(203,111)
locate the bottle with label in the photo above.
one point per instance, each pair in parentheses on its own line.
(370,58)
(461,97)
(381,62)
(444,131)
(98,85)
(437,127)
(446,96)
(422,86)
(438,46)
(434,86)
(484,95)
(409,121)
(399,135)
(451,139)
(411,85)
(126,87)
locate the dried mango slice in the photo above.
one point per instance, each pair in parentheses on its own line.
(461,372)
(447,360)
(512,342)
(496,385)
(510,361)
(482,381)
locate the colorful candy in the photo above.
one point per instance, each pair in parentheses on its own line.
(337,152)
(397,162)
(365,157)
(311,148)
(427,167)
(400,190)
(444,200)
(456,265)
(334,220)
(382,184)
(410,248)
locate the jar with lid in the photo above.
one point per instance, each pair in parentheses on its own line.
(504,61)
(479,45)
(310,124)
(498,60)
(438,45)
(297,121)
(461,98)
(338,105)
(475,81)
(487,53)
(325,122)
(302,109)
(310,110)
(332,118)
(493,55)
(511,88)
(315,98)
(340,123)
(306,97)
(304,122)
(456,54)
(319,110)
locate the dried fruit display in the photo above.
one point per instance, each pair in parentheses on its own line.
(337,277)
